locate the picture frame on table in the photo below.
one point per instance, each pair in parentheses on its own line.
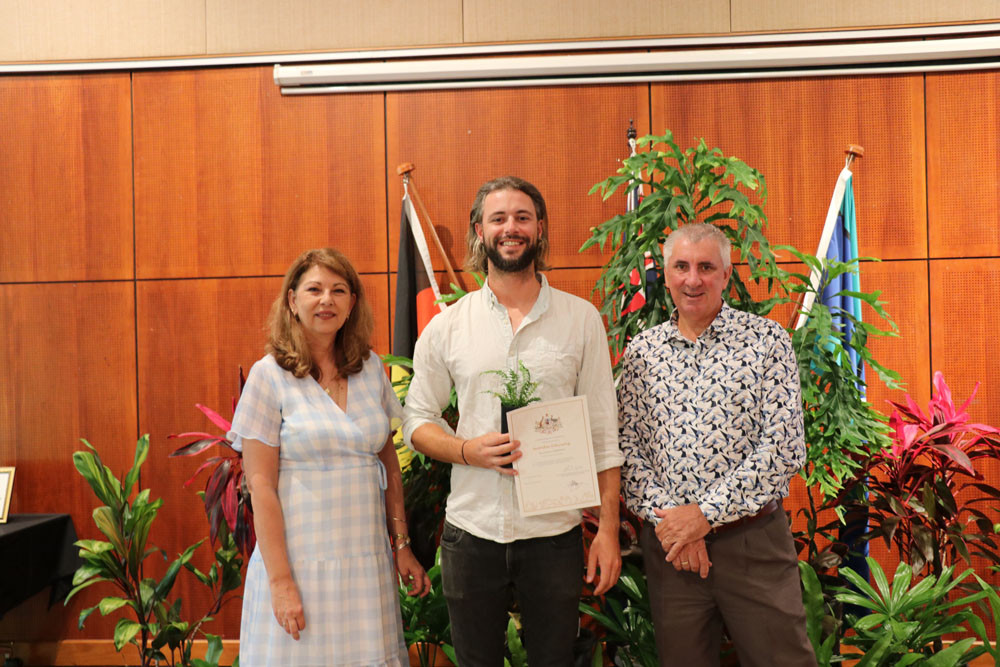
(6,487)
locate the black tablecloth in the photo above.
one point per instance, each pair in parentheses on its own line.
(36,551)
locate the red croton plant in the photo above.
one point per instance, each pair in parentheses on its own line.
(226,497)
(927,494)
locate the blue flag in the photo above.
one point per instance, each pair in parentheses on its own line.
(844,247)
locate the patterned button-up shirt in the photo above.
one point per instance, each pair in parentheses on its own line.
(716,421)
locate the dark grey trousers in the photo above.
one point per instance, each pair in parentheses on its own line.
(479,578)
(753,587)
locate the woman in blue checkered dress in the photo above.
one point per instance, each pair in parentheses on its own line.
(313,423)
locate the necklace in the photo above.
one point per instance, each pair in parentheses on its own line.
(334,388)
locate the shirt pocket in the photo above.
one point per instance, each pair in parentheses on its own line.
(554,367)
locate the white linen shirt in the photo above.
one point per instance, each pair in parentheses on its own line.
(562,342)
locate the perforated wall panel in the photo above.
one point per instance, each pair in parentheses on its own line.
(232,179)
(795,132)
(963,157)
(564,140)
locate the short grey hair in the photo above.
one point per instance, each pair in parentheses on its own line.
(696,233)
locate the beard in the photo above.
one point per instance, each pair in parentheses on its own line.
(514,265)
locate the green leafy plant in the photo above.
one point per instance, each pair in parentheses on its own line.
(516,388)
(925,494)
(153,622)
(697,184)
(517,655)
(625,614)
(841,428)
(701,184)
(906,623)
(822,621)
(425,619)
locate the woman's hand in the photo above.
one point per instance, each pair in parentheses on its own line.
(412,574)
(286,603)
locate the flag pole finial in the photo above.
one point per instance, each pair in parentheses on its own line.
(405,170)
(853,151)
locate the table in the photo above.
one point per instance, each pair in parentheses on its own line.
(36,551)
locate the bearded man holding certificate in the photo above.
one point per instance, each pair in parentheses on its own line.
(490,550)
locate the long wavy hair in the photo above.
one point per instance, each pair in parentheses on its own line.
(286,340)
(475,251)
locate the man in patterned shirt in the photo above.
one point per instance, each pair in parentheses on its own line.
(710,422)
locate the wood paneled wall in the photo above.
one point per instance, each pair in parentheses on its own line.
(38,30)
(146,219)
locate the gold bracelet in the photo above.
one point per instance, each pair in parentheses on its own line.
(400,542)
(396,518)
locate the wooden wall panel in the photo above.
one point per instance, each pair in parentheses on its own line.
(795,132)
(758,15)
(232,179)
(65,178)
(520,20)
(240,26)
(964,303)
(194,335)
(577,281)
(66,374)
(905,292)
(100,29)
(963,159)
(561,139)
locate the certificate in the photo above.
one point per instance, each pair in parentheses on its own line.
(556,471)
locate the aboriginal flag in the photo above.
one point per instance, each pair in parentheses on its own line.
(417,290)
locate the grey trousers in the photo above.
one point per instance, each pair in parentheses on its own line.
(753,587)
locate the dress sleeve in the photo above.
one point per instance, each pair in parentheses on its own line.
(258,413)
(390,402)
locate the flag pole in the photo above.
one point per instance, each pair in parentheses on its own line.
(853,151)
(406,171)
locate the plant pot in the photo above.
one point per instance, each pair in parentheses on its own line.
(435,656)
(504,409)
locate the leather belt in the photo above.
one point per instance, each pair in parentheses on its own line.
(765,511)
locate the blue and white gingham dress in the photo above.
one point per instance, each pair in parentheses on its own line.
(331,485)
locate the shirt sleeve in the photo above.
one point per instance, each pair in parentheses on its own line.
(641,487)
(780,452)
(258,413)
(430,388)
(596,382)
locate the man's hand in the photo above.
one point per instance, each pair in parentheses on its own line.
(692,557)
(680,526)
(492,450)
(605,555)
